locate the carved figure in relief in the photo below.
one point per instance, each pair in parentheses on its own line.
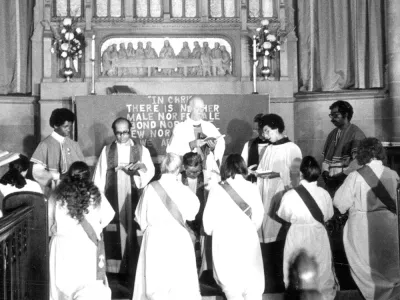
(131,53)
(216,55)
(106,60)
(206,59)
(113,58)
(150,53)
(122,54)
(184,53)
(167,52)
(140,55)
(196,53)
(226,61)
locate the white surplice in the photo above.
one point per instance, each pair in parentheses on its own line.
(167,265)
(370,236)
(124,187)
(183,134)
(308,234)
(237,259)
(282,159)
(73,255)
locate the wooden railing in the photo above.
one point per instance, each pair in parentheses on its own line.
(14,251)
(24,247)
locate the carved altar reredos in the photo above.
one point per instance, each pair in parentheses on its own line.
(165,57)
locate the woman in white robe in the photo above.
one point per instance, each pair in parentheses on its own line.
(73,255)
(306,233)
(237,261)
(370,236)
(167,265)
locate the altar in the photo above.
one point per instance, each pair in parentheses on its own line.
(153,118)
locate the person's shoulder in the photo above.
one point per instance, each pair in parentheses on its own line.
(358,132)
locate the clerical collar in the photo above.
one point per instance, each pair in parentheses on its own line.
(282,141)
(127,143)
(57,137)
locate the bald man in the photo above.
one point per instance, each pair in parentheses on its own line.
(188,136)
(124,168)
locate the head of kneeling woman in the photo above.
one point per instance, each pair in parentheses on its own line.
(370,149)
(232,166)
(171,164)
(309,169)
(77,191)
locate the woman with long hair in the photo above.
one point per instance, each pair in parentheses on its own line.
(78,212)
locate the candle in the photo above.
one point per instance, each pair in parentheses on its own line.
(254,48)
(93,47)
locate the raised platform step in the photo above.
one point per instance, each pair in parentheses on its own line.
(341,295)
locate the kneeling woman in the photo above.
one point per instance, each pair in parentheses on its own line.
(307,207)
(166,268)
(233,214)
(77,215)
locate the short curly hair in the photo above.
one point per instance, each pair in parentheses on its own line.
(344,108)
(60,115)
(273,121)
(370,148)
(77,191)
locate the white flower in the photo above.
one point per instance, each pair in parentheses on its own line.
(266,53)
(266,31)
(52,50)
(64,54)
(64,46)
(258,29)
(271,37)
(69,36)
(78,30)
(264,22)
(63,31)
(267,45)
(80,51)
(67,22)
(278,48)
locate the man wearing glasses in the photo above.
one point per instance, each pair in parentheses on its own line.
(341,146)
(124,168)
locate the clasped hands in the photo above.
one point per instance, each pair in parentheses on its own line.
(131,168)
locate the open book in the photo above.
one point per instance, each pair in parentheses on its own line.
(7,157)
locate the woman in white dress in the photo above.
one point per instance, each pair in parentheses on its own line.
(74,260)
(15,181)
(166,268)
(306,233)
(237,261)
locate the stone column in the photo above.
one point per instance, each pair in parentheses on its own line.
(128,10)
(393,62)
(204,11)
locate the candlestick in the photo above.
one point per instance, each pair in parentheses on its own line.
(93,46)
(254,48)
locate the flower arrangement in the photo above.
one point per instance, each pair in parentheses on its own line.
(267,42)
(69,44)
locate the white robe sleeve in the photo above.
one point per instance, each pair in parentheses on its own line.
(106,211)
(257,206)
(99,176)
(141,209)
(329,206)
(285,210)
(245,153)
(209,215)
(145,177)
(345,195)
(178,143)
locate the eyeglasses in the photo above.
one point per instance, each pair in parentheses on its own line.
(334,115)
(121,133)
